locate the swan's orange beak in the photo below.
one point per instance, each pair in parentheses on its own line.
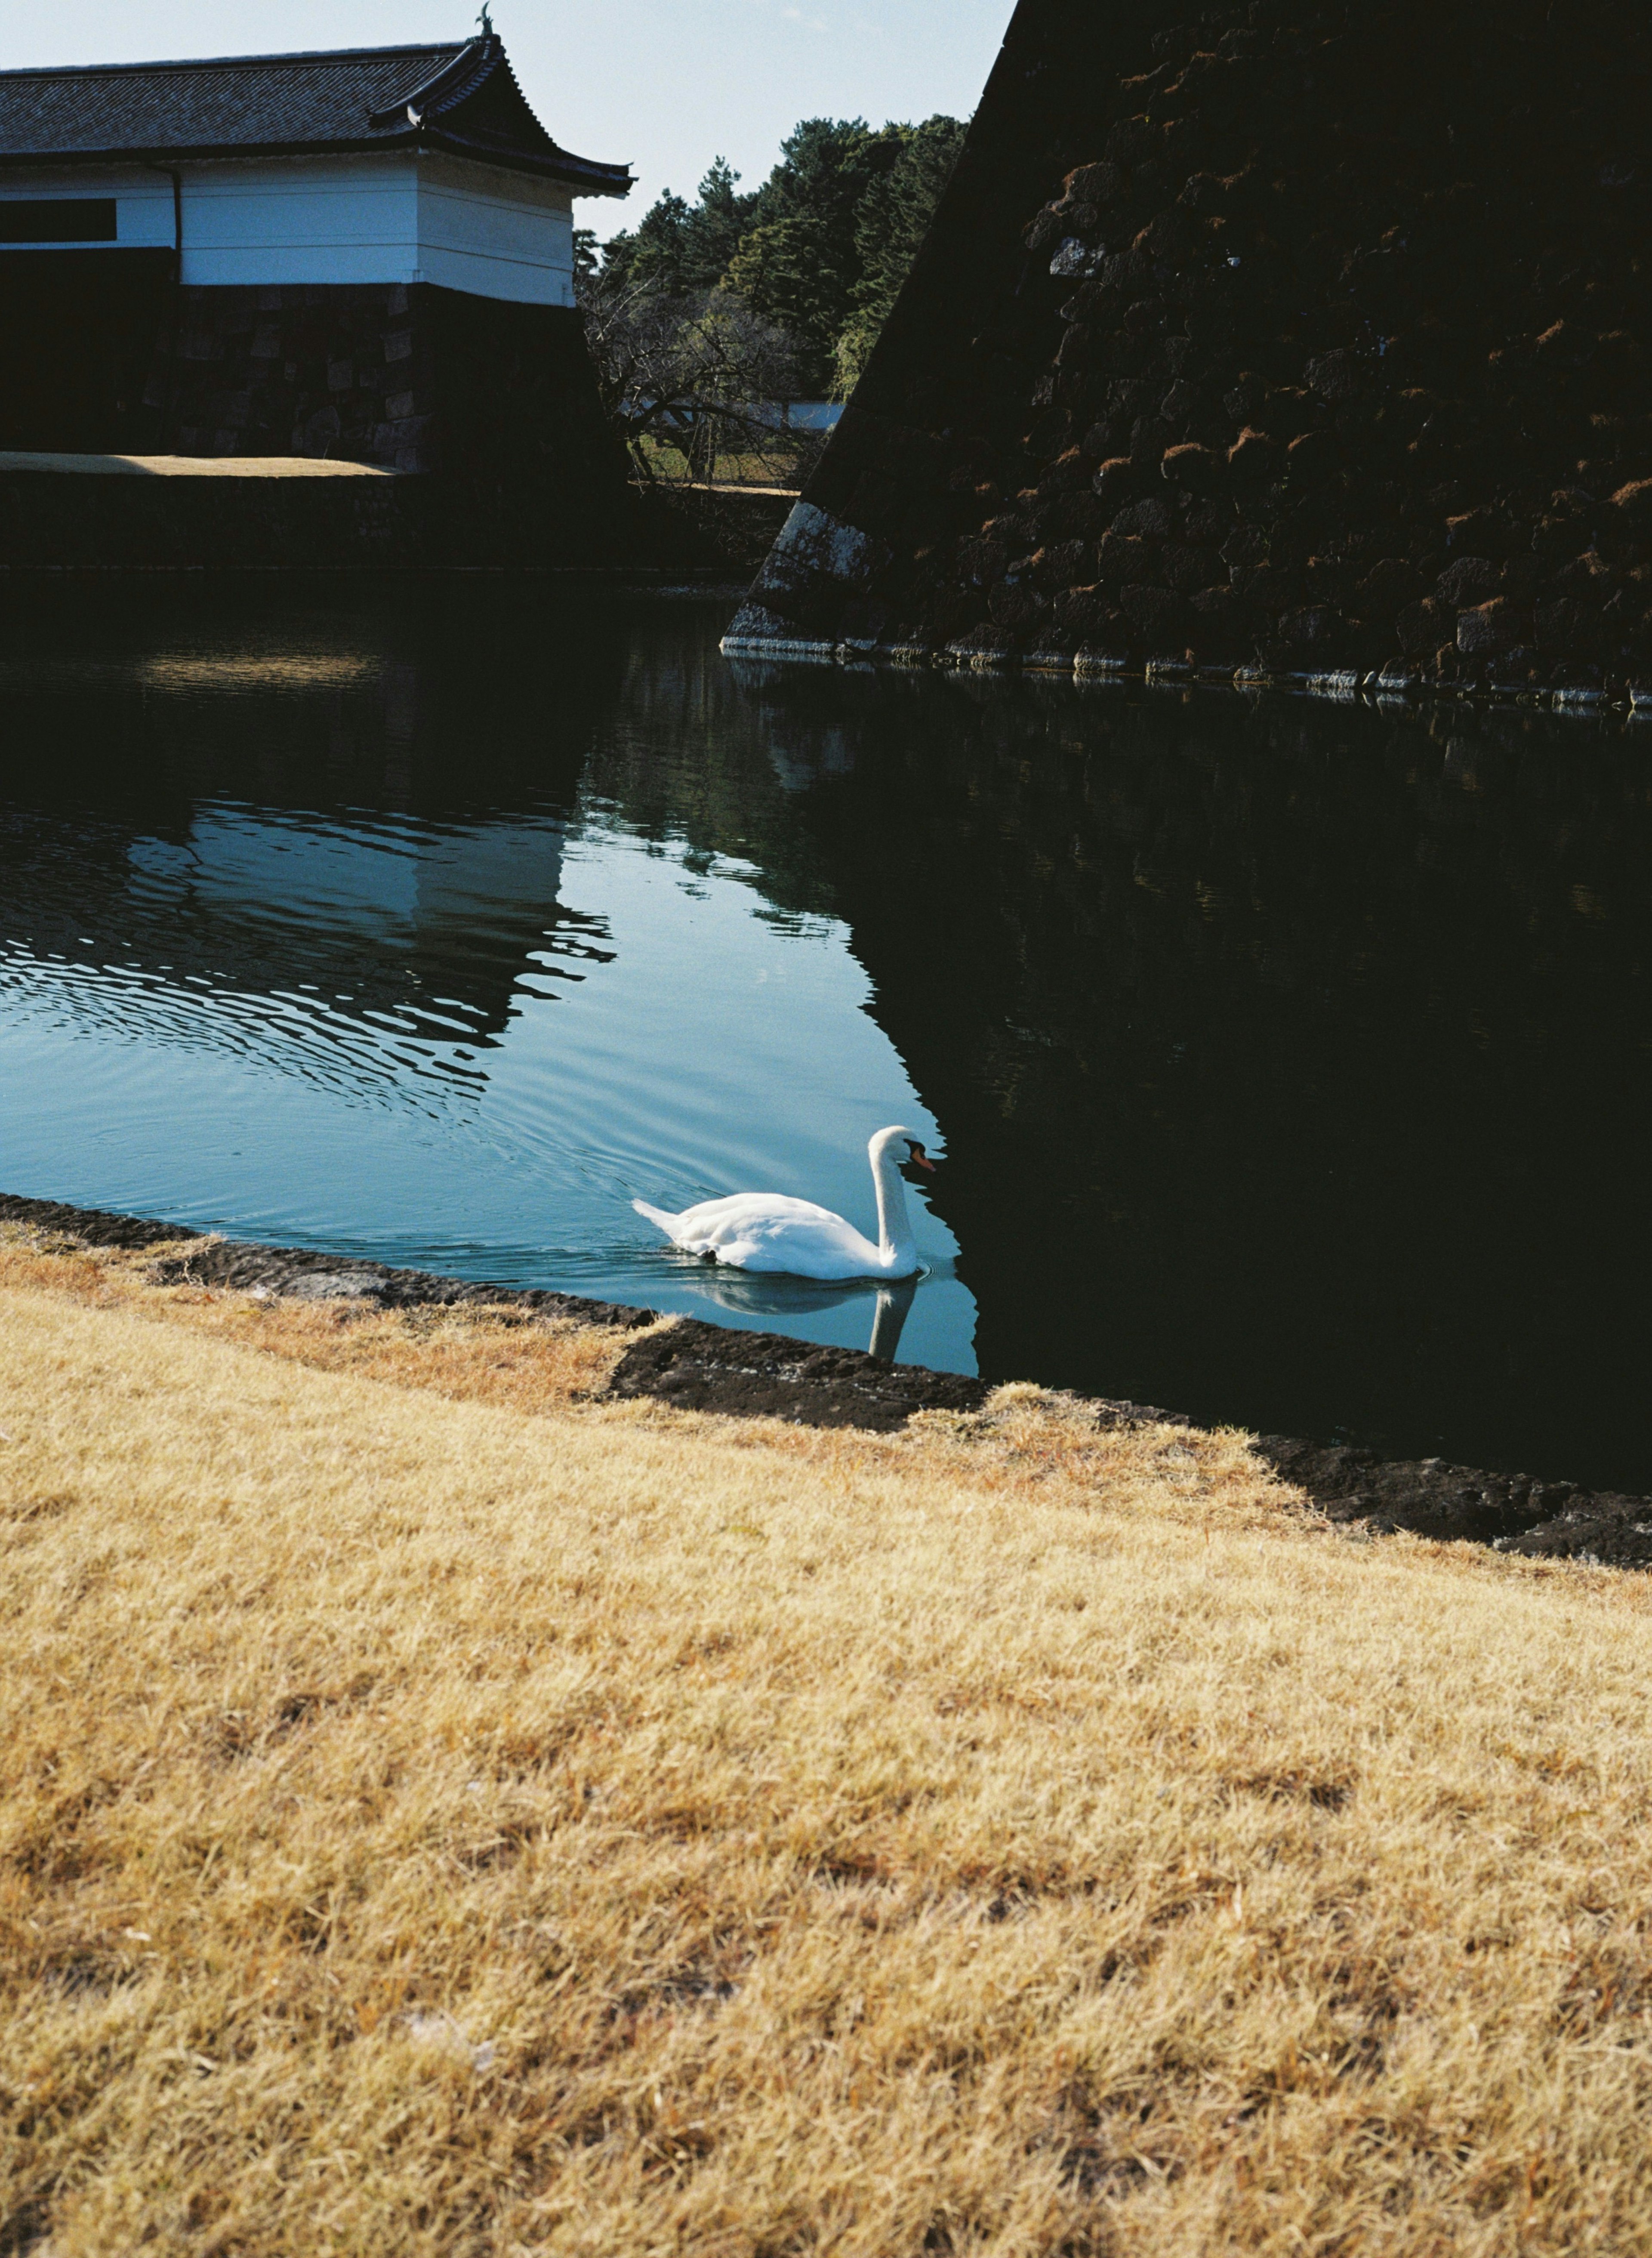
(919,1156)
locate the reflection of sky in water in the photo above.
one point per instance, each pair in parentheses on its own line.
(395,1038)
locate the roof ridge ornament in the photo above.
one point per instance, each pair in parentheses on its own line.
(484,21)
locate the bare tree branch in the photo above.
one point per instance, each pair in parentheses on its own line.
(700,370)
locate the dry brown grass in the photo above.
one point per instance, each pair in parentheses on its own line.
(482,1353)
(455,1826)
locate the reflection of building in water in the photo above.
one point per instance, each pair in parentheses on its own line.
(393,931)
(348,955)
(227,669)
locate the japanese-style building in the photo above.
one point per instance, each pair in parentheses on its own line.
(366,254)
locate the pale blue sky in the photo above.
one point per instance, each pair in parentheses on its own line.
(668,84)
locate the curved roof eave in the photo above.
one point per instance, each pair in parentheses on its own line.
(583,174)
(586,175)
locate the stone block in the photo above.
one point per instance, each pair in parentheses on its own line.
(1313,456)
(1310,631)
(1125,557)
(1422,626)
(1590,577)
(1187,566)
(1223,621)
(1159,618)
(1564,625)
(1069,473)
(1255,458)
(1194,468)
(1272,588)
(982,560)
(1391,584)
(1483,532)
(1146,317)
(1094,184)
(1489,630)
(1207,519)
(1016,607)
(1153,517)
(1118,479)
(1632,506)
(1089,613)
(1336,376)
(1470,581)
(1059,565)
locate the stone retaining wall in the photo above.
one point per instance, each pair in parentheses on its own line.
(55,520)
(408,377)
(1319,352)
(496,404)
(246,513)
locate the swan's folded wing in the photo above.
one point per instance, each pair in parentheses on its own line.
(796,1238)
(710,1223)
(715,1223)
(768,1231)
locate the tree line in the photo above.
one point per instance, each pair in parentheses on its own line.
(703,313)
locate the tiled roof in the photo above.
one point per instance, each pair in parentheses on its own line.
(461,96)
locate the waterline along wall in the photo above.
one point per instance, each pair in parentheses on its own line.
(1291,340)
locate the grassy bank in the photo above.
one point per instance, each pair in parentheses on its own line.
(441,1812)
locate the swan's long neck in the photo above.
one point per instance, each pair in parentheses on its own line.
(896,1246)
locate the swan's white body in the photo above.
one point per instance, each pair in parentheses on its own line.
(766,1230)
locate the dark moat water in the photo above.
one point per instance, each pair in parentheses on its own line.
(1291,1062)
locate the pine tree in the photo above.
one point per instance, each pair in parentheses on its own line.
(679,247)
(891,222)
(819,251)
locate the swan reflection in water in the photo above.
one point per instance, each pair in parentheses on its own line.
(783,1298)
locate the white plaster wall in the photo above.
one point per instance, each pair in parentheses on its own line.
(498,234)
(309,219)
(402,217)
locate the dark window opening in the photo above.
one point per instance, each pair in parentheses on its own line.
(58,219)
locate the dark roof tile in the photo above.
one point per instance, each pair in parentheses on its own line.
(463,96)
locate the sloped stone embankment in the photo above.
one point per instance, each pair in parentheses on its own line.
(1323,350)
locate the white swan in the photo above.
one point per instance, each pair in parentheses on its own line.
(766,1230)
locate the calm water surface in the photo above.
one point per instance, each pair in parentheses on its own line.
(1292,1063)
